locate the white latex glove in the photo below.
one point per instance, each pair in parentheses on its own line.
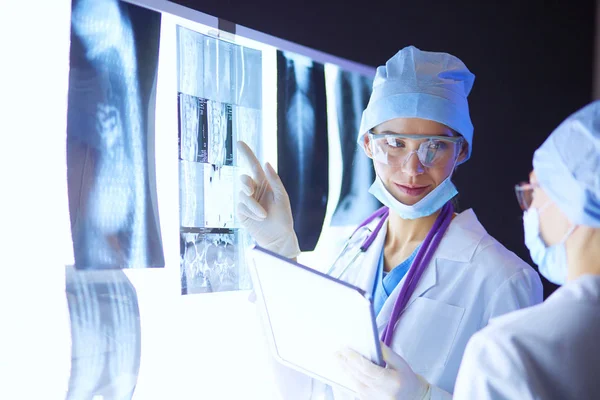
(264,207)
(396,381)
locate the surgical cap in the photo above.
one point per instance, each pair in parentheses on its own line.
(421,84)
(567,166)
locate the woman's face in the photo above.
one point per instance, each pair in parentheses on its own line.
(412,181)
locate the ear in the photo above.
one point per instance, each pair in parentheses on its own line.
(366,145)
(463,152)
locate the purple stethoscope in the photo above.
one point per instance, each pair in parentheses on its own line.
(429,246)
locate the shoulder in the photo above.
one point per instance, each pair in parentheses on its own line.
(502,281)
(468,241)
(488,358)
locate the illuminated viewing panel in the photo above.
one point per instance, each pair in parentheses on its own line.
(150,299)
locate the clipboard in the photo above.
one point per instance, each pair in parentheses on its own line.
(307,316)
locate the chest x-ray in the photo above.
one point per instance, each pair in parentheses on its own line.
(220,101)
(112,191)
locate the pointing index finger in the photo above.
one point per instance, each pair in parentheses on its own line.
(258,174)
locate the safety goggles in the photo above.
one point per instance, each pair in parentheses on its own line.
(395,149)
(524,192)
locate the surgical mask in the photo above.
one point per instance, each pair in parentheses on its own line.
(429,204)
(551,260)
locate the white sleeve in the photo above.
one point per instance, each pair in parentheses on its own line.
(488,371)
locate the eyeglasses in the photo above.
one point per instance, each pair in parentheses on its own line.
(394,149)
(524,192)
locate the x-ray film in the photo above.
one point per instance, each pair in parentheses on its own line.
(193,128)
(105,334)
(190,62)
(220,102)
(351,96)
(302,144)
(247,124)
(218,70)
(215,69)
(207,195)
(248,77)
(205,131)
(113,69)
(220,132)
(210,262)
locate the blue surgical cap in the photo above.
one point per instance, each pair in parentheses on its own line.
(567,166)
(421,84)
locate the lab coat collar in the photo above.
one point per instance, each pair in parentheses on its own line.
(462,238)
(458,244)
(366,278)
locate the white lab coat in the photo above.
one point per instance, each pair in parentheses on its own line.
(550,351)
(470,279)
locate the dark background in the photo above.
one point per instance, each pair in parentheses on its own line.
(533,62)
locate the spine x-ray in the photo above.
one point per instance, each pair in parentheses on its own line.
(219,102)
(352,93)
(112,188)
(302,144)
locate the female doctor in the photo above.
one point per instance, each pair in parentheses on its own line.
(551,351)
(437,277)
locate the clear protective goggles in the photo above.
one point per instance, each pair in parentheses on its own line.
(524,192)
(395,149)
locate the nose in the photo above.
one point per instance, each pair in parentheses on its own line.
(412,166)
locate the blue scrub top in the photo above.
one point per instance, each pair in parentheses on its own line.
(386,282)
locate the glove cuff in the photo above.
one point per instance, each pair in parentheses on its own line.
(288,246)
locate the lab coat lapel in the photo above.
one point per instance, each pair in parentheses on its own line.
(365,279)
(458,244)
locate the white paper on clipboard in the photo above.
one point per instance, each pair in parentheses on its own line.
(308,316)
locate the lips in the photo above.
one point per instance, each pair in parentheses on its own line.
(412,190)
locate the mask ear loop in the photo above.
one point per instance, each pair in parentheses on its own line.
(569,232)
(566,235)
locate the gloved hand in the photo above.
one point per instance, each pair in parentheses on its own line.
(396,381)
(264,207)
